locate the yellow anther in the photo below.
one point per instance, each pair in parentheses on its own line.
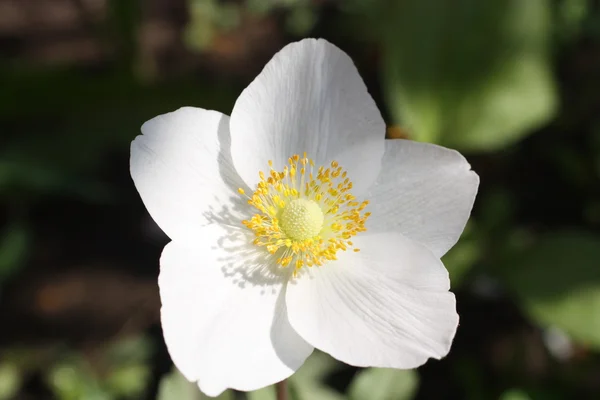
(305,219)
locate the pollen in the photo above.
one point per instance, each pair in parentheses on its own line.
(305,214)
(302,219)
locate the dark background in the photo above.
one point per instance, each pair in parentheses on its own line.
(513,84)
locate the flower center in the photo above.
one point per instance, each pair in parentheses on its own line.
(305,214)
(302,219)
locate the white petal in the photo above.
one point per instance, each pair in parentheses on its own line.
(182,168)
(425,192)
(386,306)
(309,98)
(223,314)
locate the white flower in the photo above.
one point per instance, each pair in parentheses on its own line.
(336,246)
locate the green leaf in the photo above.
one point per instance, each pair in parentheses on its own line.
(384,384)
(558,283)
(301,19)
(463,256)
(308,383)
(132,350)
(468,73)
(460,259)
(515,394)
(70,380)
(313,392)
(10,381)
(316,368)
(14,246)
(129,370)
(571,16)
(128,381)
(175,386)
(267,393)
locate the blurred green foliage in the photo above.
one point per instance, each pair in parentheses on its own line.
(557,281)
(72,377)
(10,381)
(512,83)
(119,370)
(470,74)
(175,386)
(384,384)
(308,383)
(14,244)
(515,394)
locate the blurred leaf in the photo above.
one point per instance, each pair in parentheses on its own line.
(259,7)
(571,15)
(129,370)
(14,247)
(207,18)
(130,350)
(118,370)
(316,368)
(515,394)
(129,381)
(72,381)
(229,16)
(308,382)
(384,384)
(463,256)
(460,259)
(267,393)
(10,381)
(313,392)
(558,283)
(175,386)
(301,20)
(468,73)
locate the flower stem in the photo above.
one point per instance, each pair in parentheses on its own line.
(282,390)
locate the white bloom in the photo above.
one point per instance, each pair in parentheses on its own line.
(336,245)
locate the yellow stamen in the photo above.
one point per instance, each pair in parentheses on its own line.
(305,216)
